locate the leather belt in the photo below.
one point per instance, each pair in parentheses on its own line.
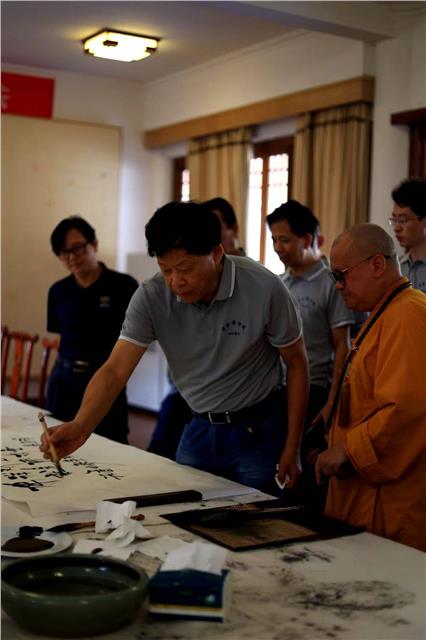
(240,415)
(76,365)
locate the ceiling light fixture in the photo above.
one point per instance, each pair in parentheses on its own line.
(119,45)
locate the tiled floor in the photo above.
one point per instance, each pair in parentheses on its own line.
(141,426)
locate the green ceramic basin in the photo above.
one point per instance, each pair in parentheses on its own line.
(72,595)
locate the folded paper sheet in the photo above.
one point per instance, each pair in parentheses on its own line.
(201,556)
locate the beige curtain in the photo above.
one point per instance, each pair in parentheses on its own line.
(332,166)
(219,166)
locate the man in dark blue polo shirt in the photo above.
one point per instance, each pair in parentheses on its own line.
(87,309)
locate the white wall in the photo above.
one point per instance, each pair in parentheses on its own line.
(400,86)
(298,61)
(293,63)
(302,60)
(113,102)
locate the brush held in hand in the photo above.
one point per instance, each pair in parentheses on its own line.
(52,450)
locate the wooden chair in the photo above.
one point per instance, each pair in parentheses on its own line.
(22,347)
(4,334)
(47,345)
(5,344)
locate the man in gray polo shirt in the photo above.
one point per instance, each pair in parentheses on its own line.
(409,224)
(174,412)
(326,319)
(223,323)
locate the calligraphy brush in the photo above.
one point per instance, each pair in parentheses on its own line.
(29,531)
(52,450)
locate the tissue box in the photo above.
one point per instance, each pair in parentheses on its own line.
(189,593)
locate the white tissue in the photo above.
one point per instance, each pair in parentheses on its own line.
(161,547)
(196,555)
(282,485)
(118,517)
(118,544)
(127,532)
(110,515)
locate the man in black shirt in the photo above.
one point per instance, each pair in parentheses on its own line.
(87,309)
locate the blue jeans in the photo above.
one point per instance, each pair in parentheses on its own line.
(246,452)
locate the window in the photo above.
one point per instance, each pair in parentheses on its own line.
(180,180)
(269,186)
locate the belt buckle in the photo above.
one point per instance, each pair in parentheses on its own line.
(80,366)
(227,415)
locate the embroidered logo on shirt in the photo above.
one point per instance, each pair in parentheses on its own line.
(234,328)
(307,302)
(105,302)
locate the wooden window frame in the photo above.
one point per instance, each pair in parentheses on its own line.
(336,94)
(179,166)
(416,121)
(264,150)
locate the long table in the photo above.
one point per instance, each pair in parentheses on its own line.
(351,588)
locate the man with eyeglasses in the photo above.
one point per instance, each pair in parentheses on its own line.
(409,224)
(376,456)
(87,309)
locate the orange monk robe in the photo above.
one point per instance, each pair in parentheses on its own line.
(386,434)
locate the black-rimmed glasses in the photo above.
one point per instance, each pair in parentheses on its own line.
(77,250)
(339,275)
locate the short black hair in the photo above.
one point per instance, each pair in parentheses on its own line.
(190,226)
(225,208)
(411,193)
(59,233)
(300,219)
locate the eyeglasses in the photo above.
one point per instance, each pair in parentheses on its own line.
(77,250)
(339,275)
(402,219)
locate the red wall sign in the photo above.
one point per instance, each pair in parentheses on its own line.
(27,95)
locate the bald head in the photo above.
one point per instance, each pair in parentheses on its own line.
(366,256)
(364,240)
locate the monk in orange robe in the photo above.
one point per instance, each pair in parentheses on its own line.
(376,456)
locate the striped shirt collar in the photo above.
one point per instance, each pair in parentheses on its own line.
(310,274)
(406,259)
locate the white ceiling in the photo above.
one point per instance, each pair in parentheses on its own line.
(48,34)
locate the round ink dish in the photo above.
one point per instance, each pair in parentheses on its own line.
(72,595)
(15,547)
